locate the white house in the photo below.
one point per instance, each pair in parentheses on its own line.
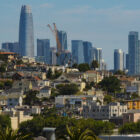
(104,112)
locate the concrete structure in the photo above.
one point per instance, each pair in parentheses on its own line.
(26,35)
(104,112)
(17,118)
(134,53)
(77,51)
(43,49)
(118,60)
(50,133)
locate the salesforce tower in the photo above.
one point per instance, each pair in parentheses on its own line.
(26,35)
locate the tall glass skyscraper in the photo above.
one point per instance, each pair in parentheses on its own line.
(62,35)
(87,51)
(78,51)
(134,53)
(26,35)
(43,49)
(118,59)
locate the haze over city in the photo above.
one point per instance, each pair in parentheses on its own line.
(105,23)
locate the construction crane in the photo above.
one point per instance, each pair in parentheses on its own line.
(55,33)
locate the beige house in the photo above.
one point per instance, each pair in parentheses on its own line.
(92,76)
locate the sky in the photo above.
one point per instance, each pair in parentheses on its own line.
(105,23)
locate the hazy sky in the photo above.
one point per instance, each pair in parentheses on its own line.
(106,23)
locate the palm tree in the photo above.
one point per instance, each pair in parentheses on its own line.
(9,134)
(77,134)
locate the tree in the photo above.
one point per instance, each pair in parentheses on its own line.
(31,98)
(19,62)
(76,134)
(110,84)
(75,65)
(8,84)
(67,89)
(94,64)
(1,85)
(2,68)
(134,95)
(49,74)
(119,72)
(5,121)
(83,67)
(9,134)
(107,99)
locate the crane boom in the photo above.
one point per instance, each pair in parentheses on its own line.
(55,32)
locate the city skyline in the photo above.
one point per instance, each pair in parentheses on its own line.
(86,17)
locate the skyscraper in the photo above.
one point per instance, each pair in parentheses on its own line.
(134,53)
(78,51)
(62,35)
(11,47)
(26,35)
(118,60)
(127,61)
(43,49)
(87,51)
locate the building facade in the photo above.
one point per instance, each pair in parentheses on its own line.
(104,112)
(87,51)
(26,34)
(62,35)
(11,47)
(134,53)
(78,51)
(118,60)
(43,49)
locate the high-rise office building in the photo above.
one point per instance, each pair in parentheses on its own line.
(26,35)
(53,57)
(92,54)
(87,51)
(78,51)
(43,49)
(134,53)
(98,55)
(62,35)
(64,58)
(127,61)
(11,47)
(118,60)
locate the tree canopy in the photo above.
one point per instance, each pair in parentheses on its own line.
(83,67)
(130,128)
(31,98)
(5,121)
(67,89)
(35,126)
(94,64)
(110,84)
